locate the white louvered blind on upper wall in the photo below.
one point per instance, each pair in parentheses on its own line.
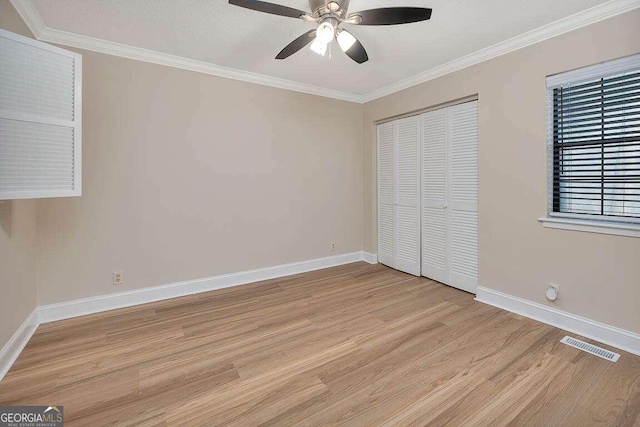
(40,119)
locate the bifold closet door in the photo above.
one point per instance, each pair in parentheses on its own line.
(450,195)
(463,196)
(386,194)
(434,196)
(407,215)
(399,194)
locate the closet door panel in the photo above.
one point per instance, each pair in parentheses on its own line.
(464,250)
(407,219)
(386,238)
(463,195)
(386,197)
(408,239)
(433,244)
(434,195)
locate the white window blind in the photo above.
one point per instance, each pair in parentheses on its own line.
(40,119)
(594,142)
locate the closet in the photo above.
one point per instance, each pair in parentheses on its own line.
(428,195)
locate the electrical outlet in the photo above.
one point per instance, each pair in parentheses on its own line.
(118,277)
(333,246)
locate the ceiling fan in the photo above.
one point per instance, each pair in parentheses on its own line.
(330,14)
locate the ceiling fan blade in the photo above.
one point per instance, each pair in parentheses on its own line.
(356,51)
(297,44)
(390,16)
(274,9)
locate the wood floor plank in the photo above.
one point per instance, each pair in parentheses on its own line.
(356,345)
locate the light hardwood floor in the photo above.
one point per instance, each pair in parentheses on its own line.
(355,345)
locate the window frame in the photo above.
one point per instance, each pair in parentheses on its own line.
(626,226)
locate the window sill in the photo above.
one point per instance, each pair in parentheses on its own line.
(602,227)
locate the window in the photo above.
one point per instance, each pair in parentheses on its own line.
(40,119)
(594,142)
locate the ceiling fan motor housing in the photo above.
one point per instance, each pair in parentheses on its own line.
(323,7)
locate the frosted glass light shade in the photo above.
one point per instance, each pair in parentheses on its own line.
(346,40)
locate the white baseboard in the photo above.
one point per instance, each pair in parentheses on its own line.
(606,334)
(81,307)
(17,342)
(615,337)
(370,258)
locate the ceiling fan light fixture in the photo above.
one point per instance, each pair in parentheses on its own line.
(325,32)
(318,47)
(346,40)
(330,15)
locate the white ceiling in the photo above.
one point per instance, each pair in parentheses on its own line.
(215,32)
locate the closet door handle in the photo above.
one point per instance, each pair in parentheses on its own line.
(445,206)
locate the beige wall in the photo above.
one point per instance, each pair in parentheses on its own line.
(17,237)
(17,265)
(599,275)
(179,185)
(187,175)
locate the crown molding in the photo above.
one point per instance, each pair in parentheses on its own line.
(30,15)
(562,26)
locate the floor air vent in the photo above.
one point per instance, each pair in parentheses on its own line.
(590,348)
